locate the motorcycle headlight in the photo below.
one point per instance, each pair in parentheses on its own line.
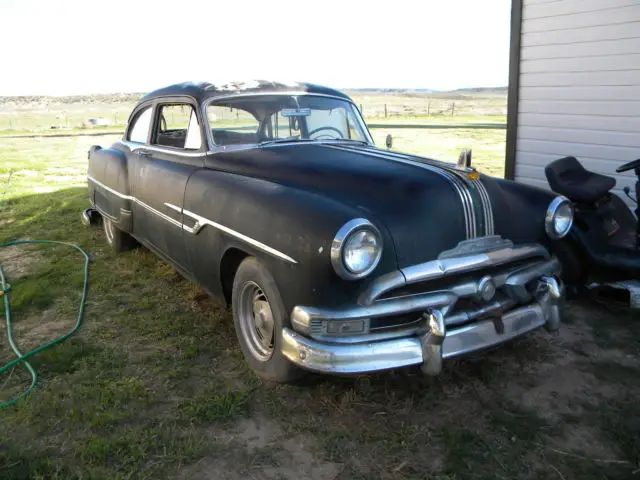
(356,249)
(559,218)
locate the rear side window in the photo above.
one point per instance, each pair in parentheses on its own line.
(139,131)
(178,127)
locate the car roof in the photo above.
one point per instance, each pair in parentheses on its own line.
(201,91)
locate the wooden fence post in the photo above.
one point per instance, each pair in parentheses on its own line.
(429,108)
(453,108)
(361,110)
(385,110)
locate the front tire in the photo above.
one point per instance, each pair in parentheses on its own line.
(118,240)
(258,317)
(574,264)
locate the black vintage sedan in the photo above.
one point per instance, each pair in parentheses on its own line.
(336,256)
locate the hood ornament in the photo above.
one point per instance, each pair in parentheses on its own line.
(464,164)
(464,160)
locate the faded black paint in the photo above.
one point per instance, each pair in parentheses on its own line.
(294,198)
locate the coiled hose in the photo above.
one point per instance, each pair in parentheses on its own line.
(22,358)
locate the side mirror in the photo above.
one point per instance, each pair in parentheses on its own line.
(464,160)
(389,141)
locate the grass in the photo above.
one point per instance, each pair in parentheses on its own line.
(488,146)
(155,386)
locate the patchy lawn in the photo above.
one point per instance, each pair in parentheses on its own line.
(155,386)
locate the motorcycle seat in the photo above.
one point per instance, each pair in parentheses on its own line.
(568,177)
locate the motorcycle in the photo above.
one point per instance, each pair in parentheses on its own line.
(602,252)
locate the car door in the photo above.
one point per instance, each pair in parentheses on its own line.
(159,172)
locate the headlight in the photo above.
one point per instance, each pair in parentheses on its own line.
(559,218)
(356,249)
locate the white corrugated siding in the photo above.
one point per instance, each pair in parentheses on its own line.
(579,86)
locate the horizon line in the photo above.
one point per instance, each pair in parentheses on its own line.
(388,89)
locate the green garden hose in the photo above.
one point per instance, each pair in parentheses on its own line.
(22,358)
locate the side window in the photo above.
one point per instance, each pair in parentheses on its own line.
(232,126)
(178,127)
(139,132)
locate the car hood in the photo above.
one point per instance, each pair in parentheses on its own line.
(426,206)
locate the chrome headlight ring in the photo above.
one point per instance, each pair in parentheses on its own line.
(341,239)
(559,218)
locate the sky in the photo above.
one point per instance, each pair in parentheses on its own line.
(65,47)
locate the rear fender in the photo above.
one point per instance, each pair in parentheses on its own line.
(108,181)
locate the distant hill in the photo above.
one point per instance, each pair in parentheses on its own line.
(388,90)
(494,90)
(458,93)
(72,99)
(134,97)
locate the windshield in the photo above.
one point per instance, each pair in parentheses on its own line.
(279,118)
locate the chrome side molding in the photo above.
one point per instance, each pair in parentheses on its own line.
(200,222)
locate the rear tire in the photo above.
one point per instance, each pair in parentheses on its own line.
(258,317)
(118,240)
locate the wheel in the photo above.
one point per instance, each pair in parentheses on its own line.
(574,265)
(258,317)
(117,239)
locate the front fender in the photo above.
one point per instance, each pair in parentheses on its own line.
(519,210)
(297,223)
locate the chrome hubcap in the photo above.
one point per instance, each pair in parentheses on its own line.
(256,321)
(108,230)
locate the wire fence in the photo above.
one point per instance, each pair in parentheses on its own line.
(45,115)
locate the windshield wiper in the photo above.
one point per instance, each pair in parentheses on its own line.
(297,139)
(352,140)
(285,140)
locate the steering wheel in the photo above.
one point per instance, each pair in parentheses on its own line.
(326,134)
(629,166)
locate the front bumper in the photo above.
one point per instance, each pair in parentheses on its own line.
(403,352)
(532,297)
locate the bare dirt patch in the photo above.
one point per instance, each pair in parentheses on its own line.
(260,449)
(18,261)
(586,440)
(558,381)
(35,330)
(256,434)
(298,458)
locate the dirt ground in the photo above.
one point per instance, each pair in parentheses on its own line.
(532,409)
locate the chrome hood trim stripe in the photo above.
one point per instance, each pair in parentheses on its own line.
(482,191)
(458,185)
(463,181)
